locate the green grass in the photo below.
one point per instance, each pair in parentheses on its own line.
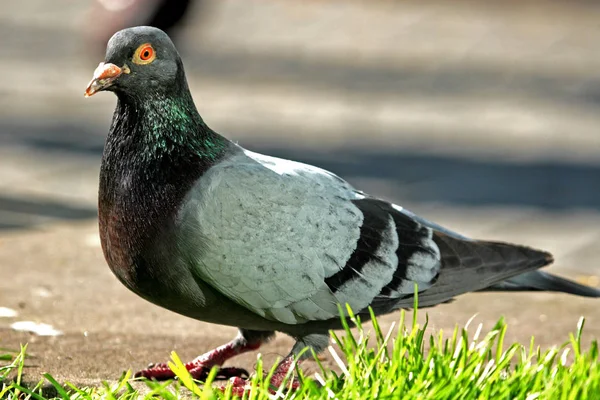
(408,365)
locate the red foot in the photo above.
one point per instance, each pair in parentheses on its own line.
(240,386)
(201,366)
(199,371)
(281,372)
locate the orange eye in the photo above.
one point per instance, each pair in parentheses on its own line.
(144,54)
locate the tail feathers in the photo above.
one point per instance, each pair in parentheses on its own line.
(486,263)
(472,265)
(520,257)
(544,281)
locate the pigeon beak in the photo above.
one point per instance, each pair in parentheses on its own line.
(104,76)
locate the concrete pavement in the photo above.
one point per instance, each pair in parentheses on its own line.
(480,117)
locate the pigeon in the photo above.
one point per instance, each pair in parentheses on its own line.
(195,223)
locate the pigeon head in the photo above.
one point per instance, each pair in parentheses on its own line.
(138,61)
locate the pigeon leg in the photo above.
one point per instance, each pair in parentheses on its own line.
(315,341)
(285,366)
(240,386)
(201,366)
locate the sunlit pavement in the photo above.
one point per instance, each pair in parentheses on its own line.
(481,117)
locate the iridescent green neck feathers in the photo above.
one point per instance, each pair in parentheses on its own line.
(167,124)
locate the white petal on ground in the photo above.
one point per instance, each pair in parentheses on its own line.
(37,328)
(6,312)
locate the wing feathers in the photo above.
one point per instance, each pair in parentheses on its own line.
(363,285)
(444,266)
(388,237)
(290,241)
(473,265)
(370,240)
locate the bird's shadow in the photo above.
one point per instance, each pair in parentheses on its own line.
(403,175)
(550,185)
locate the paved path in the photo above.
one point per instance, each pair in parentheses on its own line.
(483,118)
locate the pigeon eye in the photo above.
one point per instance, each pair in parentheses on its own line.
(144,54)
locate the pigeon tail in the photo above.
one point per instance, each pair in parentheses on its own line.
(515,260)
(475,265)
(492,262)
(540,280)
(521,257)
(544,281)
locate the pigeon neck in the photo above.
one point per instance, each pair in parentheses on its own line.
(166,125)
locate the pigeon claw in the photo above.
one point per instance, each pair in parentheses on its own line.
(280,380)
(240,387)
(198,371)
(157,372)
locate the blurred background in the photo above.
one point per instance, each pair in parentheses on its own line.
(483,116)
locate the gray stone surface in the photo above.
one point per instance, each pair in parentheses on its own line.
(482,116)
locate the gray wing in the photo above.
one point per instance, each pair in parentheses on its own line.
(290,241)
(453,264)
